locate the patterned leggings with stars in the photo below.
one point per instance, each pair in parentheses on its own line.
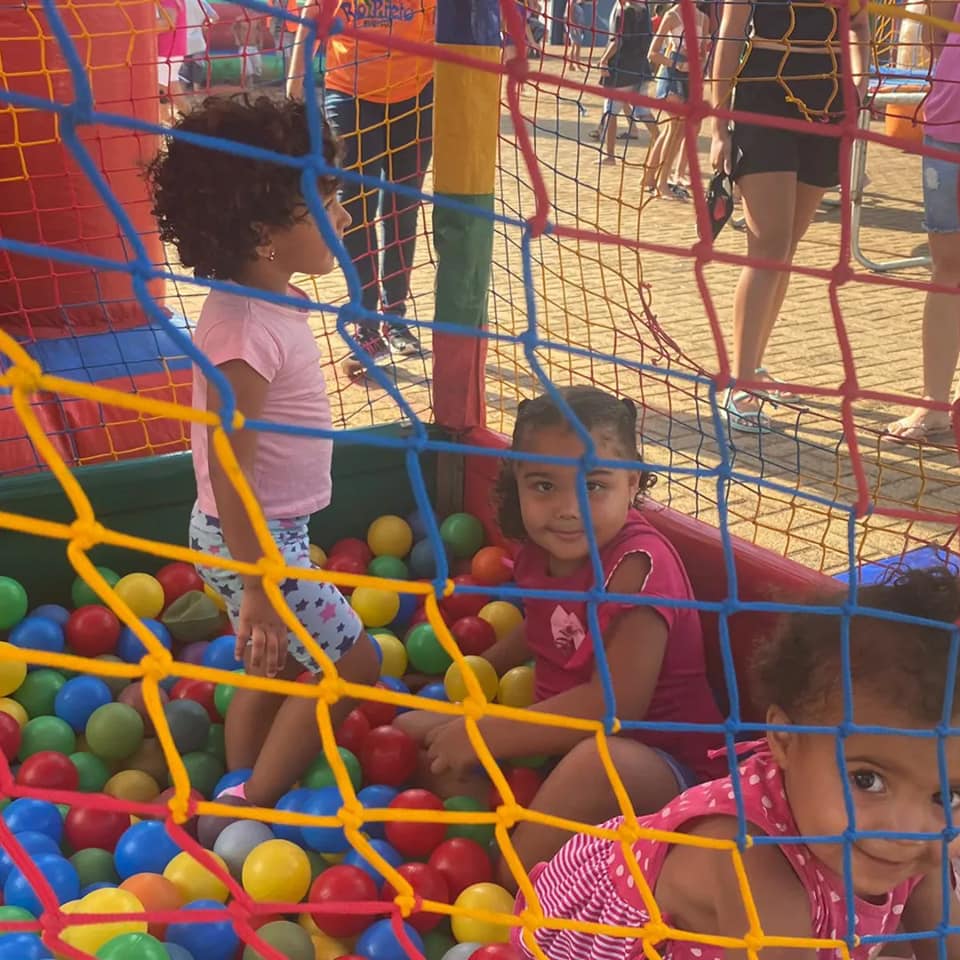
(322,609)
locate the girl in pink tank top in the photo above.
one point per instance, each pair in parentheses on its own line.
(848,840)
(650,642)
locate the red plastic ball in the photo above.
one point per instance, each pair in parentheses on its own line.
(415,839)
(48,770)
(86,827)
(496,951)
(491,566)
(345,563)
(388,756)
(419,616)
(428,884)
(178,578)
(524,782)
(459,605)
(353,731)
(91,631)
(132,696)
(343,884)
(10,735)
(473,635)
(379,714)
(353,547)
(461,862)
(200,691)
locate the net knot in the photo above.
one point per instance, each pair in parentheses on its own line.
(474,709)
(24,377)
(180,807)
(629,832)
(86,534)
(753,941)
(156,666)
(507,815)
(351,815)
(330,689)
(407,903)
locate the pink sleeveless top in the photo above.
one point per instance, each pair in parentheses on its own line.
(558,634)
(588,879)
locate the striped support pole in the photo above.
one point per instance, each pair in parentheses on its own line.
(466,125)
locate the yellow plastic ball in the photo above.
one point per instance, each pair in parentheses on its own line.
(488,897)
(12,672)
(324,946)
(133,785)
(92,936)
(502,616)
(516,687)
(376,608)
(394,661)
(455,686)
(276,871)
(333,858)
(141,593)
(215,597)
(318,556)
(390,536)
(194,881)
(8,705)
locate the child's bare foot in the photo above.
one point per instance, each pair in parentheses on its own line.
(607,161)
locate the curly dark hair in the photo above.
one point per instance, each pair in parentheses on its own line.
(596,410)
(799,668)
(210,203)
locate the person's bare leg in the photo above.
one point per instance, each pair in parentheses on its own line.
(293,741)
(647,777)
(610,133)
(651,175)
(674,137)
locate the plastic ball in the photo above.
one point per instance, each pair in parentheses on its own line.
(352,548)
(388,568)
(36,816)
(222,697)
(116,684)
(481,833)
(487,897)
(92,630)
(210,826)
(91,937)
(23,946)
(134,786)
(473,635)
(455,684)
(376,796)
(132,696)
(43,734)
(38,633)
(425,652)
(415,839)
(460,603)
(76,700)
(89,827)
(47,770)
(342,884)
(157,894)
(433,691)
(12,672)
(82,593)
(193,880)
(189,725)
(353,731)
(496,951)
(114,731)
(516,687)
(199,691)
(356,859)
(133,946)
(94,865)
(289,939)
(380,942)
(231,778)
(10,736)
(38,692)
(423,559)
(130,647)
(176,579)
(390,536)
(379,714)
(59,873)
(237,840)
(376,608)
(525,784)
(193,653)
(436,943)
(219,654)
(464,533)
(13,602)
(149,759)
(291,802)
(393,662)
(491,566)
(92,772)
(462,864)
(13,709)
(32,844)
(142,593)
(276,872)
(502,616)
(319,774)
(52,611)
(428,884)
(389,755)
(345,563)
(325,802)
(144,847)
(210,940)
(318,556)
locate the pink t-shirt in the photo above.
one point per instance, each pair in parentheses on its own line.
(291,475)
(172,38)
(941,110)
(558,635)
(588,879)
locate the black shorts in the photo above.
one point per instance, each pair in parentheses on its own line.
(813,157)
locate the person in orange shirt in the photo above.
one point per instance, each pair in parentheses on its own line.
(379,99)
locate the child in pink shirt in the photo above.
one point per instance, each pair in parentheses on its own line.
(243,220)
(171,48)
(793,793)
(653,648)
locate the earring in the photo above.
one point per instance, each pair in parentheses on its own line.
(272,255)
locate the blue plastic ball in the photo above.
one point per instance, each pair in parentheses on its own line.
(176,952)
(292,802)
(52,611)
(377,796)
(219,654)
(131,649)
(144,847)
(32,843)
(59,873)
(355,859)
(324,802)
(168,683)
(379,942)
(433,691)
(23,946)
(78,698)
(408,606)
(99,885)
(423,559)
(38,633)
(417,525)
(215,940)
(37,816)
(231,779)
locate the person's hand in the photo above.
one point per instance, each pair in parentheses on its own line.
(449,749)
(418,723)
(721,150)
(261,628)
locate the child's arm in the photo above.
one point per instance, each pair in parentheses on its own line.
(297,68)
(665,30)
(613,43)
(924,912)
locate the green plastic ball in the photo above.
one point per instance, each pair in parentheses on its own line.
(15,914)
(94,773)
(463,533)
(94,865)
(114,731)
(38,691)
(216,742)
(436,943)
(204,771)
(83,595)
(481,833)
(223,694)
(47,733)
(390,568)
(13,602)
(319,774)
(289,939)
(317,863)
(425,653)
(534,762)
(133,946)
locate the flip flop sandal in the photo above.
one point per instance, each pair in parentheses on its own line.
(775,393)
(746,421)
(917,432)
